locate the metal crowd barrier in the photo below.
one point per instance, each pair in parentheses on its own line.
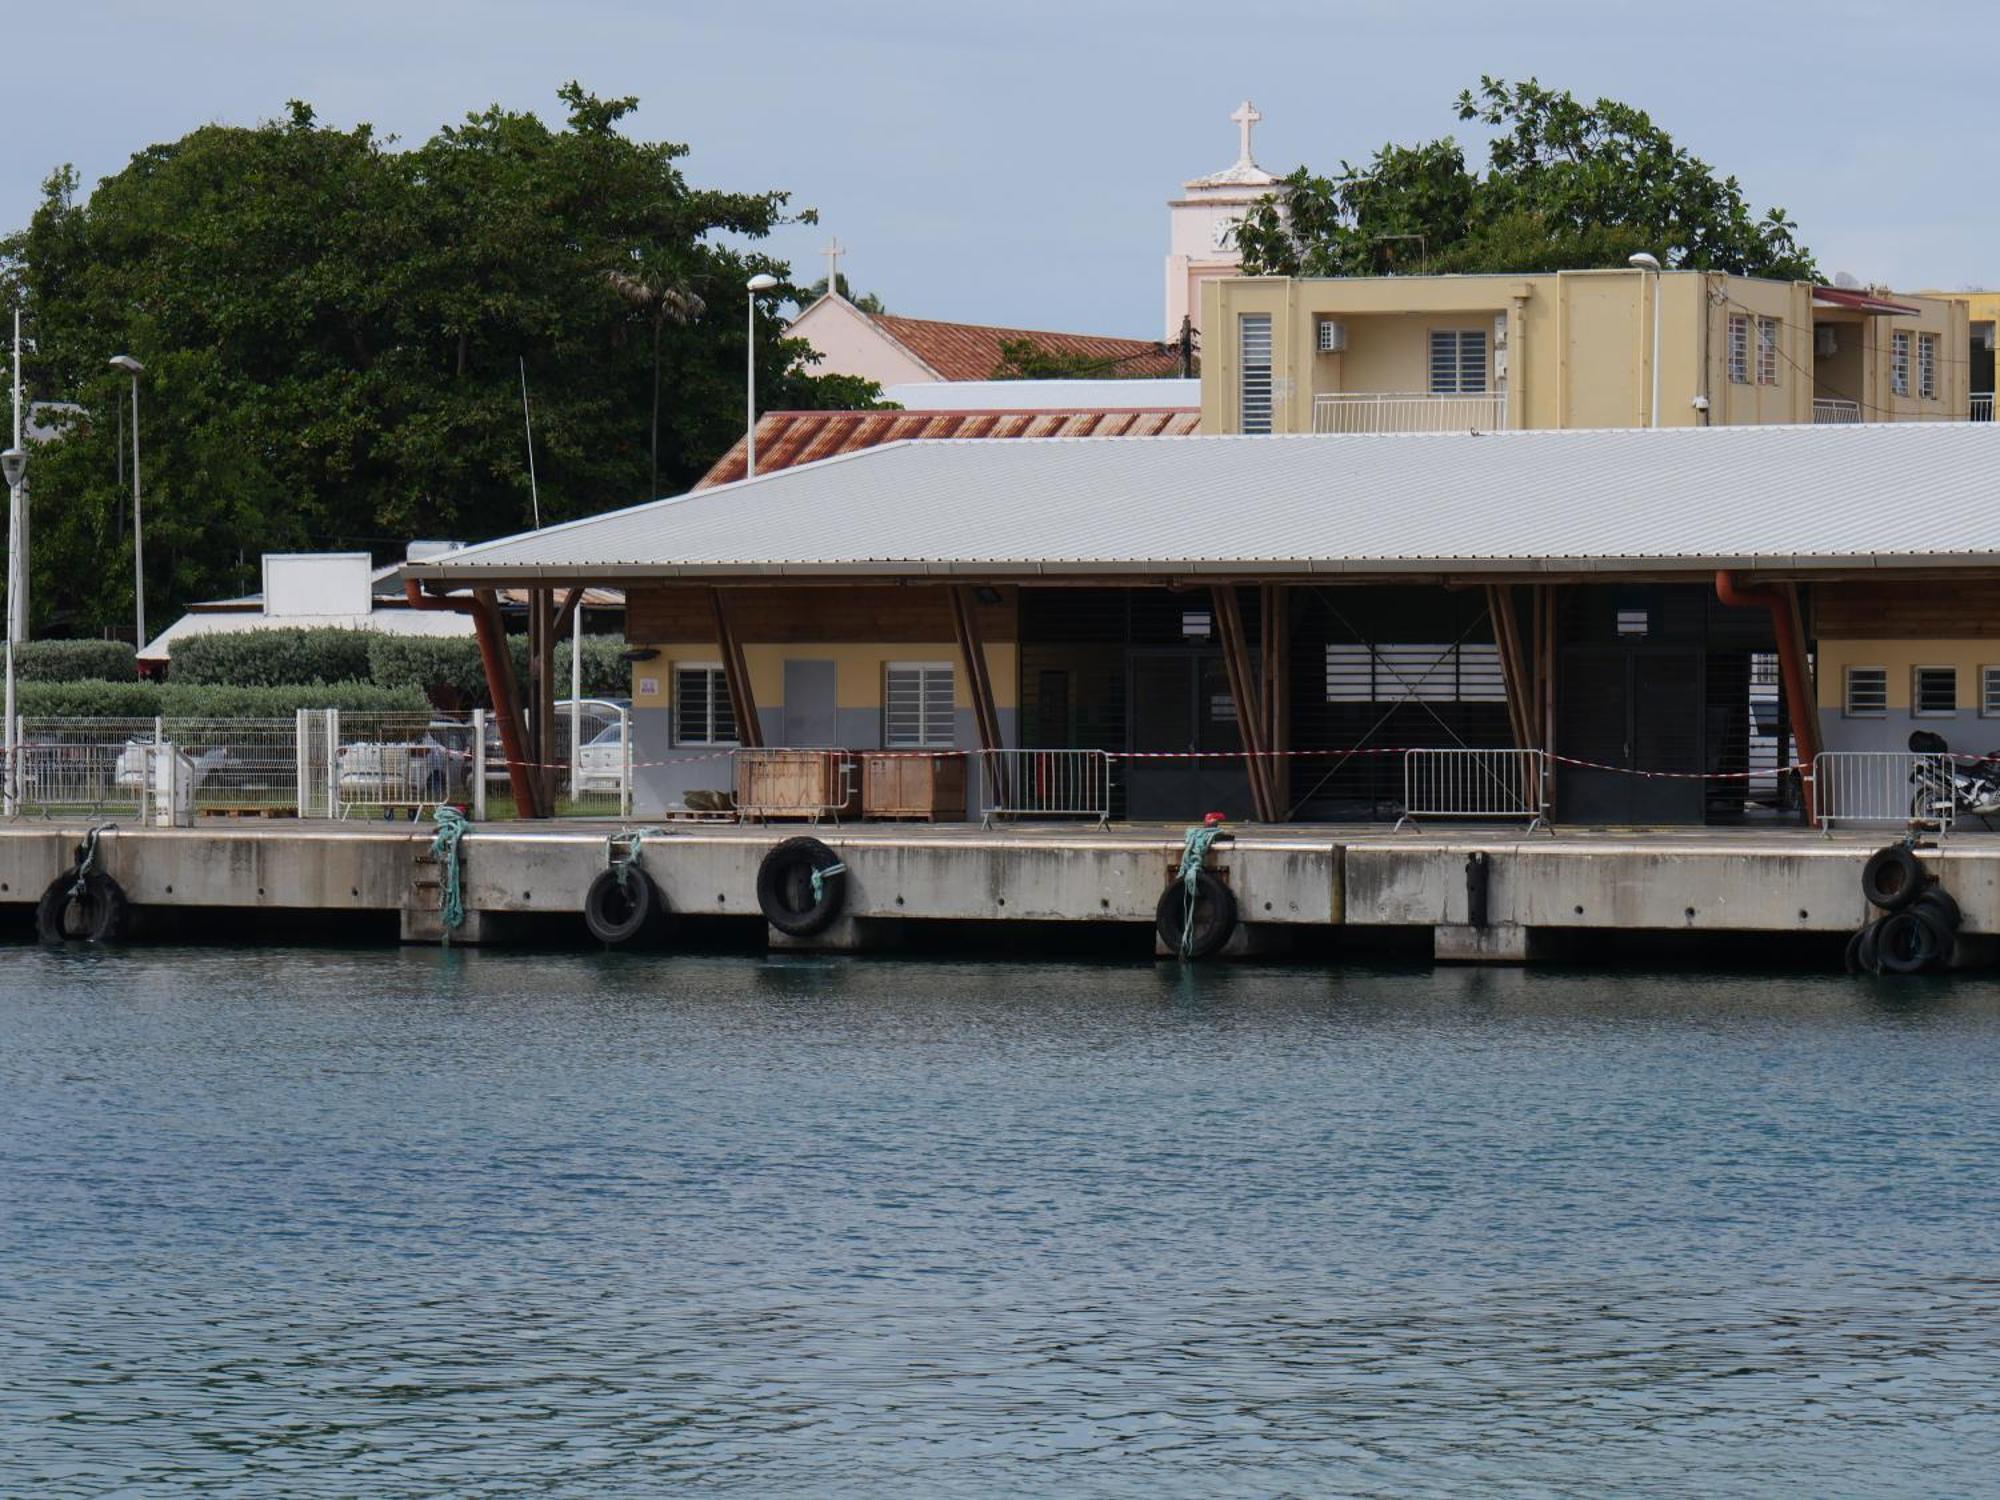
(1893,787)
(1046,784)
(1488,785)
(792,783)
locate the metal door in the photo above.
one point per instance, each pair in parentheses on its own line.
(1629,710)
(811,717)
(1180,705)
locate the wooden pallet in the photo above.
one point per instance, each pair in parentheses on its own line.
(249,810)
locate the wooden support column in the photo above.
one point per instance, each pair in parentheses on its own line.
(542,605)
(978,676)
(1513,670)
(1276,637)
(1249,706)
(736,674)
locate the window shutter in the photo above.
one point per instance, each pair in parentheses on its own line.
(1739,349)
(917,710)
(1254,347)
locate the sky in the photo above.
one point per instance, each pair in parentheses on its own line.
(1009,161)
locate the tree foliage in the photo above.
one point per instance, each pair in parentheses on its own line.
(1024,359)
(868,302)
(1566,186)
(334,331)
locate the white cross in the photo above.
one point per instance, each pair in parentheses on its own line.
(1246,118)
(833,251)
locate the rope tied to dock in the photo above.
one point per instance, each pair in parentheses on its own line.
(1194,854)
(452,826)
(820,878)
(86,856)
(622,851)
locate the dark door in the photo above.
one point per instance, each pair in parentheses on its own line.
(1628,710)
(1181,705)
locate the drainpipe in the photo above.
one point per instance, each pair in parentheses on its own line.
(1789,632)
(499,681)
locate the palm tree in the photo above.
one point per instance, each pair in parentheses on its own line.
(664,298)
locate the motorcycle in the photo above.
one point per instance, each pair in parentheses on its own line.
(1948,787)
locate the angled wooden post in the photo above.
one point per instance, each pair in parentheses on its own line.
(1249,705)
(736,675)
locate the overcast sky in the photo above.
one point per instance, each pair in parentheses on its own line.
(1009,161)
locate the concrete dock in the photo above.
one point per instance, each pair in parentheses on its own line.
(1286,879)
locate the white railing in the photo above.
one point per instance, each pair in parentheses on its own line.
(1408,411)
(1046,784)
(1487,785)
(1982,406)
(1826,410)
(1893,787)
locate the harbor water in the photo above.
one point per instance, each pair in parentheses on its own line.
(315,1222)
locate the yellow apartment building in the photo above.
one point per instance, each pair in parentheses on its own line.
(1574,349)
(1983,310)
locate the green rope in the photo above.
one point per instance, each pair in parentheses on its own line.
(86,856)
(819,879)
(1194,852)
(622,851)
(452,826)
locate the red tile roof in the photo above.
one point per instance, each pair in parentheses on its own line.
(971,351)
(785,438)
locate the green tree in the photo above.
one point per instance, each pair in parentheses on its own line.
(334,330)
(868,302)
(1566,186)
(1024,359)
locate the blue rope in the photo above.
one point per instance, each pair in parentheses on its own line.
(86,856)
(1194,851)
(620,861)
(452,826)
(820,877)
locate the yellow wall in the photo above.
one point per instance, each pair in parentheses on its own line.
(1899,658)
(1578,346)
(858,669)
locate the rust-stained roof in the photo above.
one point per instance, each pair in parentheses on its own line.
(971,351)
(786,438)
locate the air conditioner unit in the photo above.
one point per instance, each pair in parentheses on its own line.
(1826,340)
(1986,338)
(1332,336)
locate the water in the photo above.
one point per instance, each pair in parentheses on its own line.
(315,1223)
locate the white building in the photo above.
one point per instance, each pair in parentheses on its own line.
(1202,223)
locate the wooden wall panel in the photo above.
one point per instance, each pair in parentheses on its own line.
(1907,610)
(778,615)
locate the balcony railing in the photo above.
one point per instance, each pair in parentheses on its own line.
(1825,410)
(1982,406)
(1408,412)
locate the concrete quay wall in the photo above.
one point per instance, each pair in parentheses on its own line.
(1282,878)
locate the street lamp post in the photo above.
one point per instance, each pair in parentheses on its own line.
(14,462)
(761,282)
(1651,264)
(133,368)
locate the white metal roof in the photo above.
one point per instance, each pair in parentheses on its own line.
(1921,494)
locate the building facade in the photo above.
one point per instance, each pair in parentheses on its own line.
(1202,224)
(1573,349)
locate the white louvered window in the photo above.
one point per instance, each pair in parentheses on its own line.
(1364,672)
(1254,354)
(1867,693)
(1927,366)
(1739,349)
(702,712)
(917,706)
(1934,692)
(1767,351)
(1989,692)
(1458,362)
(1899,363)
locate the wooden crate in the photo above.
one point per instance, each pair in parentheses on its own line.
(794,783)
(930,787)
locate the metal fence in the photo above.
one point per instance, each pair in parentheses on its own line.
(1894,787)
(1982,406)
(1488,785)
(1408,411)
(1827,410)
(1046,784)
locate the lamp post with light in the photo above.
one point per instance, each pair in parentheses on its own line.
(761,282)
(133,368)
(1651,264)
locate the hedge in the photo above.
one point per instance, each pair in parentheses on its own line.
(451,670)
(75,661)
(179,700)
(275,657)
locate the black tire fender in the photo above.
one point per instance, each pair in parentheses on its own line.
(1911,941)
(1851,958)
(96,914)
(785,887)
(619,911)
(1892,878)
(1868,952)
(1938,902)
(1214,915)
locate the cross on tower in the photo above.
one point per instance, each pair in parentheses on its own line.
(833,251)
(1246,118)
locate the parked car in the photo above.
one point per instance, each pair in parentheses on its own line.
(600,764)
(434,768)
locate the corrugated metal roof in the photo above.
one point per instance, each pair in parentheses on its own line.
(787,438)
(1880,495)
